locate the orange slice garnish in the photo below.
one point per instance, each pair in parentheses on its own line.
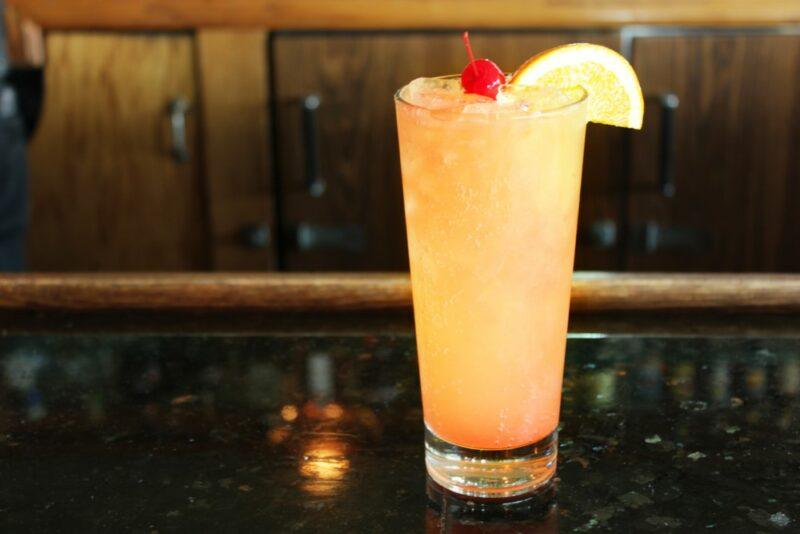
(615,96)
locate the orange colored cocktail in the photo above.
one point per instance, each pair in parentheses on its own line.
(491,200)
(491,184)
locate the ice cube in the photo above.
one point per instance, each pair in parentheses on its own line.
(439,94)
(535,98)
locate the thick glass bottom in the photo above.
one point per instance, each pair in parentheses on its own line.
(491,474)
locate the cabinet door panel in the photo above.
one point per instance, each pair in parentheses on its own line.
(234,83)
(106,191)
(737,129)
(357,223)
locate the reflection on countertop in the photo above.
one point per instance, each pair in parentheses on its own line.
(298,433)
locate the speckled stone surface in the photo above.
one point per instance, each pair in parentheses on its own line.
(239,433)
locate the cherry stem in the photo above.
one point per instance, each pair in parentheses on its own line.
(465,38)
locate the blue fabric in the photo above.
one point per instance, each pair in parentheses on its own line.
(13,173)
(13,189)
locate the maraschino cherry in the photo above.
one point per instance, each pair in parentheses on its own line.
(481,76)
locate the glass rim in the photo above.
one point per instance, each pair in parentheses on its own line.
(533,113)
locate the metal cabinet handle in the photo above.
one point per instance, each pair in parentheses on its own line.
(347,237)
(600,234)
(668,103)
(178,108)
(256,236)
(314,181)
(652,237)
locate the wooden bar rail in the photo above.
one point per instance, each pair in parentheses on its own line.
(400,14)
(591,292)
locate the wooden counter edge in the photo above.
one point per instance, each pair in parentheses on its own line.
(591,292)
(399,14)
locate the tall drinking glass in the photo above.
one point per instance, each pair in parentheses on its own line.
(491,203)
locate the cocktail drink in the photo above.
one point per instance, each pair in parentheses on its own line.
(491,186)
(491,200)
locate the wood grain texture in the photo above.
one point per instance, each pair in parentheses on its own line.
(456,14)
(737,135)
(355,75)
(234,87)
(206,291)
(591,292)
(24,39)
(106,192)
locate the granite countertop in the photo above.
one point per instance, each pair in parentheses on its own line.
(323,433)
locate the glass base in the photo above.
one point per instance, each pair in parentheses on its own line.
(491,474)
(449,512)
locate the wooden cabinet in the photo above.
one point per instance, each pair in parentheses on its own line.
(712,182)
(338,170)
(153,153)
(237,160)
(107,191)
(736,203)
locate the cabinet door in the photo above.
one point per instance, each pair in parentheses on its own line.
(237,164)
(335,123)
(108,190)
(736,203)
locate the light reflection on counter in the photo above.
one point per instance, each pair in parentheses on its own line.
(789,377)
(682,380)
(755,380)
(648,380)
(289,413)
(720,382)
(605,382)
(279,434)
(324,465)
(332,411)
